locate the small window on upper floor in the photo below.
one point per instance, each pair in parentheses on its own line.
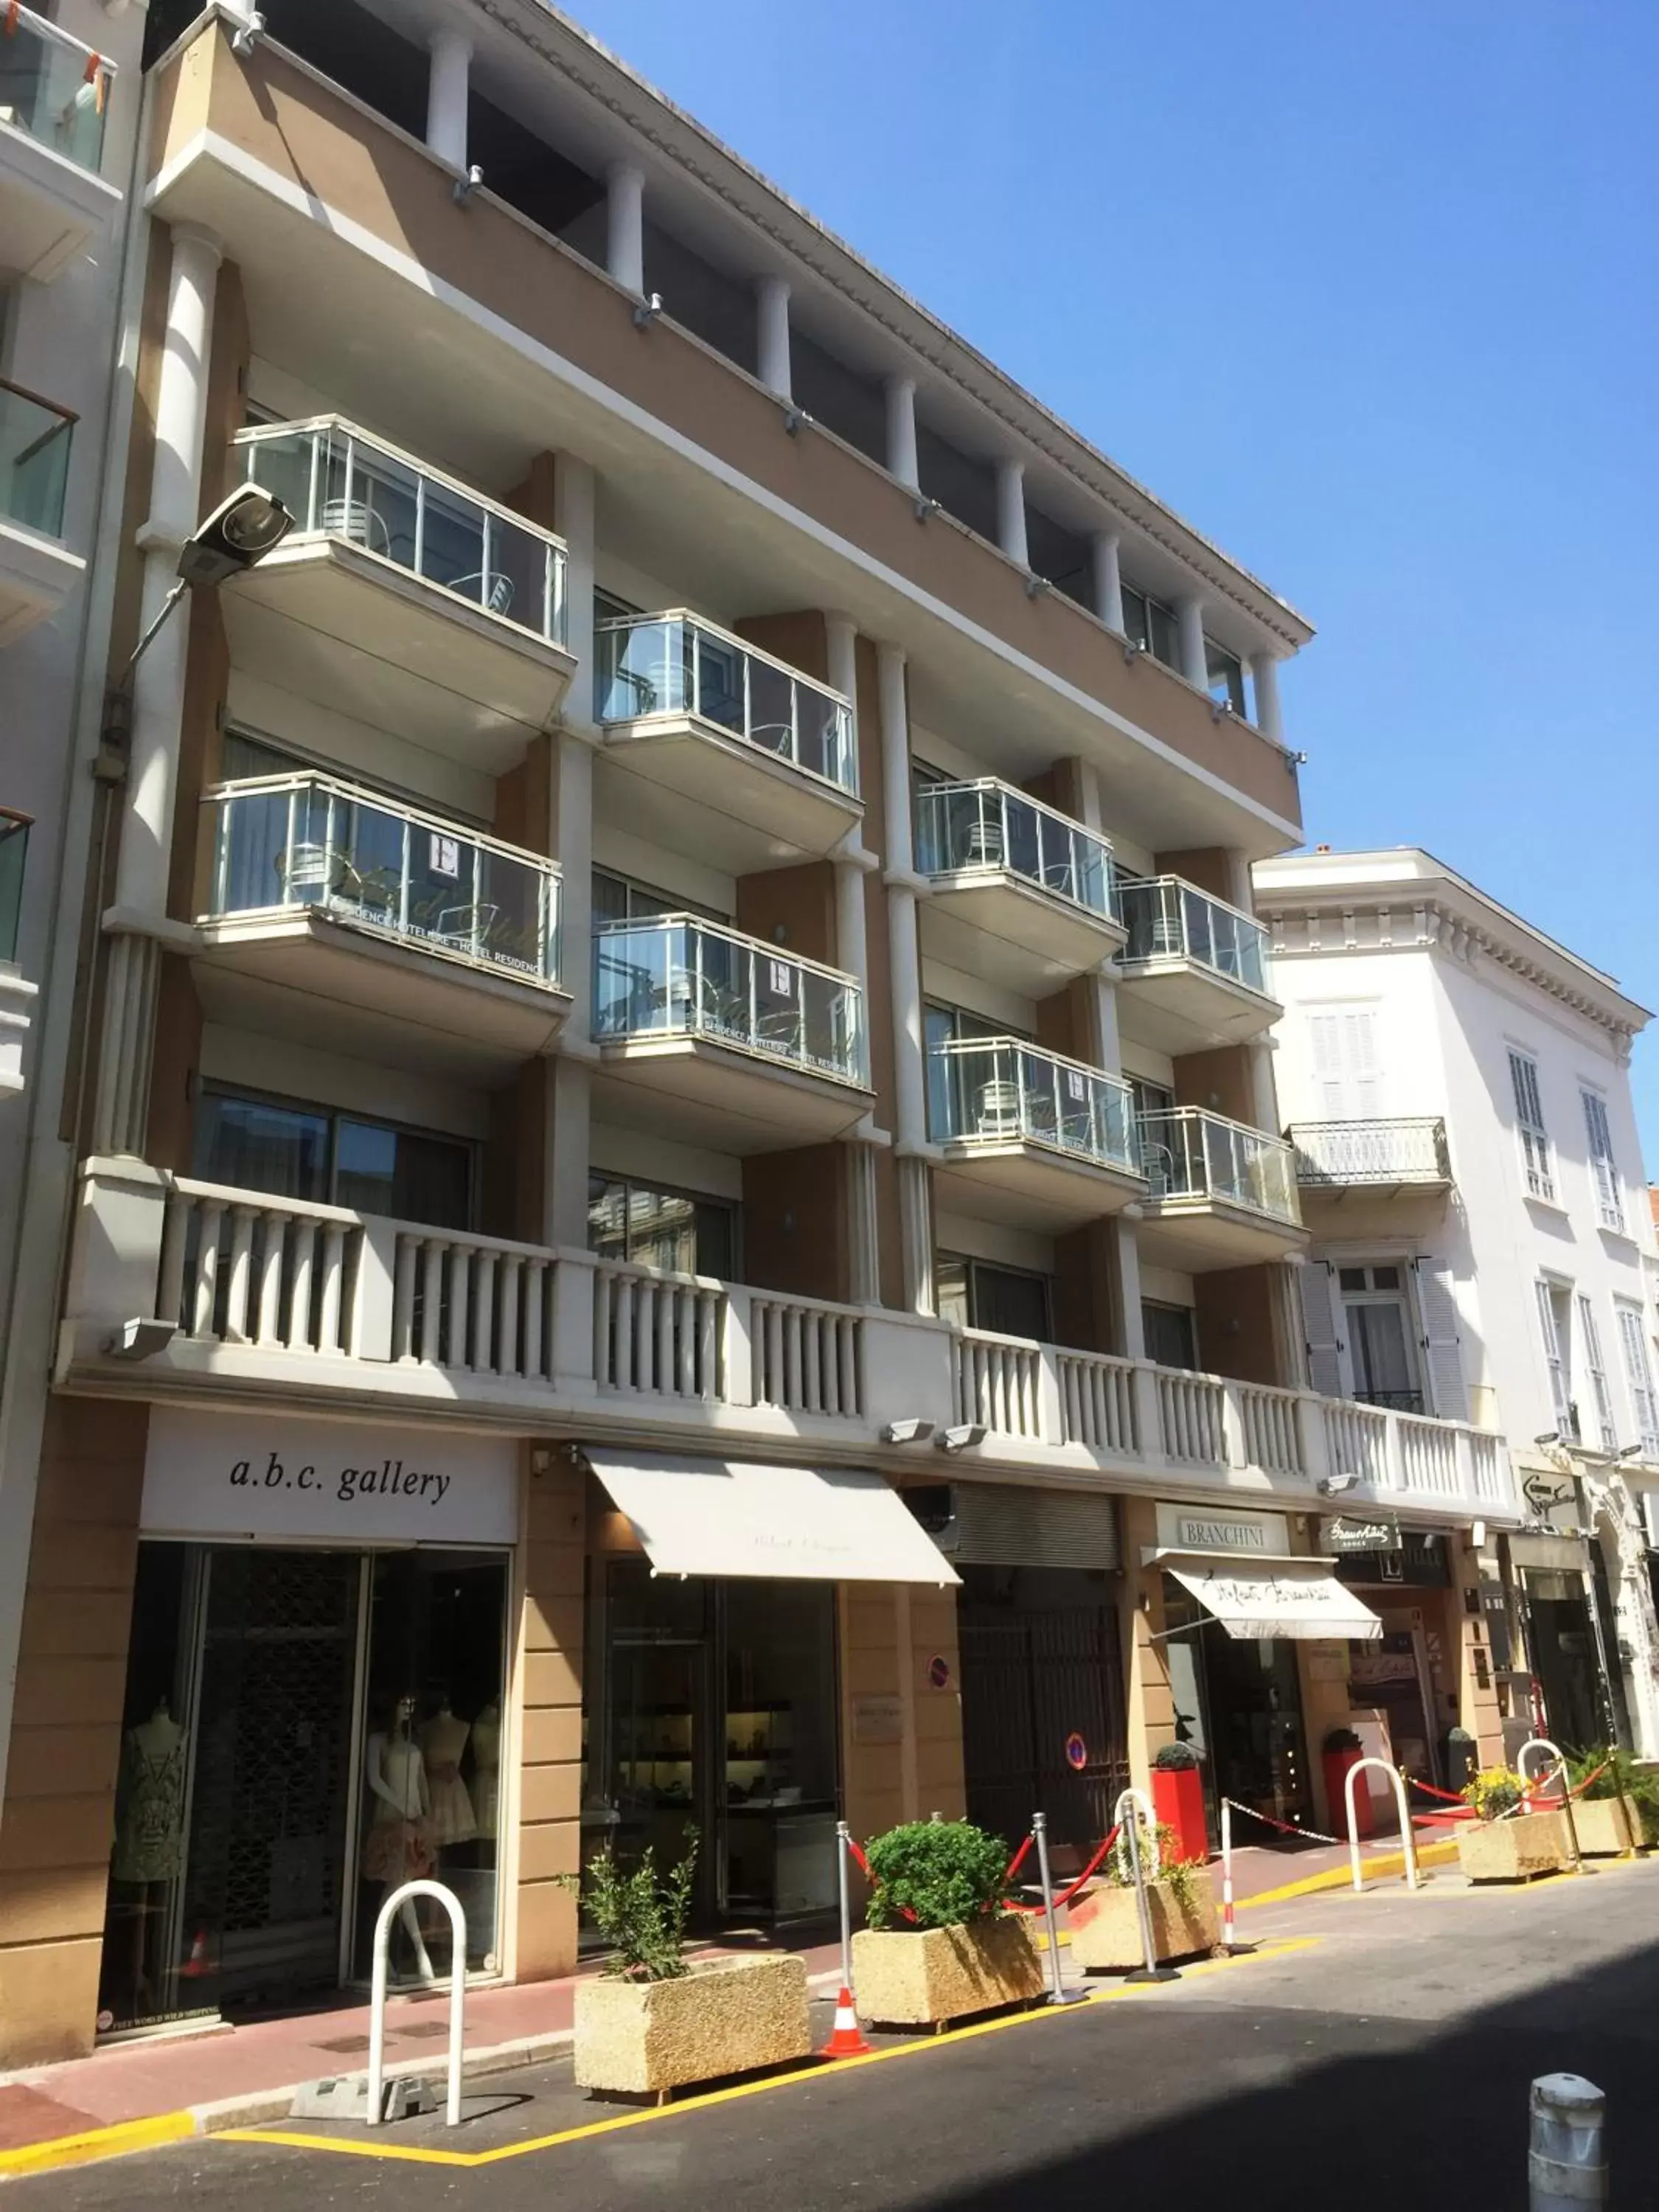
(1007,1301)
(1536,1163)
(680,1232)
(1604,1170)
(1150,624)
(249,1141)
(620,898)
(607,607)
(1225,676)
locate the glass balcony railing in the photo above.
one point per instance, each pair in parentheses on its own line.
(1188,1153)
(340,482)
(52,87)
(1003,1091)
(677,663)
(34,454)
(13,855)
(961,827)
(676,976)
(283,841)
(1168,919)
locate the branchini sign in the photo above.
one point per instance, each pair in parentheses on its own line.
(258,1474)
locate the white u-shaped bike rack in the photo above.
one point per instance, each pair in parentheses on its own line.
(1557,1755)
(1142,1804)
(1405,1835)
(452,1905)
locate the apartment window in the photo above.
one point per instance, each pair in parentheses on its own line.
(620,898)
(1171,1334)
(1376,1325)
(1151,1098)
(1225,674)
(1151,626)
(1348,1074)
(1529,1119)
(1589,1338)
(957,1081)
(1609,1201)
(1007,1301)
(1555,1327)
(671,1232)
(312,1153)
(1638,1374)
(607,607)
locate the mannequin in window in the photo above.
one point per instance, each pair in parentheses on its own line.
(150,1801)
(449,1808)
(397,1847)
(487,1769)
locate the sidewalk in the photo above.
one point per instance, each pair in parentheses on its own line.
(199,2081)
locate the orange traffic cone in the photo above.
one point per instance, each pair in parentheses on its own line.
(198,1961)
(845,2037)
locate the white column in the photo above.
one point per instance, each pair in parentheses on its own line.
(1189,619)
(904,968)
(1108,580)
(1126,1270)
(574,519)
(1264,682)
(772,334)
(1010,511)
(566,1157)
(902,431)
(853,954)
(625,225)
(446,96)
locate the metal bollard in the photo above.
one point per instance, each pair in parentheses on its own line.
(1152,1972)
(1058,1993)
(1566,2162)
(1228,1930)
(844,1852)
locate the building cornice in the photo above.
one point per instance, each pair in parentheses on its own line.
(694,151)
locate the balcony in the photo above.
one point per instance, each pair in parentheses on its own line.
(1194,971)
(1397,1158)
(714,746)
(1220,1195)
(288,1301)
(37,573)
(402,598)
(1022,894)
(1030,1138)
(54,93)
(16,997)
(336,918)
(724,1039)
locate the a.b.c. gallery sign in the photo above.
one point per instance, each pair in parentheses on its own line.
(241,1475)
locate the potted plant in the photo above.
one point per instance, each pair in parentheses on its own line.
(1178,1798)
(939,1944)
(653,2020)
(1105,1921)
(1342,1752)
(1503,1845)
(1618,1811)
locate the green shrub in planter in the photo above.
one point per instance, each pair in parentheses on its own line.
(641,1915)
(1620,1777)
(1174,1758)
(935,1874)
(1342,1739)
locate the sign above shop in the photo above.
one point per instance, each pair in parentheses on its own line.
(1552,1502)
(237,1476)
(1198,1528)
(1375,1532)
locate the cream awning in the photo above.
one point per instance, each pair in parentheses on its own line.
(1300,1598)
(717,1516)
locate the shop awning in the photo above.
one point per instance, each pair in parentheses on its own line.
(718,1516)
(1300,1598)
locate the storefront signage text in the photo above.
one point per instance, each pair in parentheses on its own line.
(389,1479)
(1183,1528)
(1381,1533)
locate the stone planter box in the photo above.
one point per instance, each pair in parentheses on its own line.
(907,1978)
(1515,1850)
(727,2016)
(1106,1927)
(1606,1826)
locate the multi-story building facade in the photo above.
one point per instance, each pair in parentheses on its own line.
(1457,1086)
(679,981)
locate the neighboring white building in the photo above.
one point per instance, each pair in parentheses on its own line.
(1458,1087)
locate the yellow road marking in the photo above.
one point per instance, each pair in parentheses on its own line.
(617,2121)
(1341,1877)
(94,2143)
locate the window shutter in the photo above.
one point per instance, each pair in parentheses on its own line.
(1638,1373)
(1590,1337)
(1345,1063)
(1320,1327)
(1442,1346)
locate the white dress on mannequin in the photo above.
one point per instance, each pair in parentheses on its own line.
(449,1808)
(399,1846)
(487,1769)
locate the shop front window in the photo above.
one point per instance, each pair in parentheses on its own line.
(1238,1703)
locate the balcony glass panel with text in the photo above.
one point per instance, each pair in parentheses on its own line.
(1003,1091)
(1187,1152)
(961,827)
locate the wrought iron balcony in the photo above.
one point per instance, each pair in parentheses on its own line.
(1372,1155)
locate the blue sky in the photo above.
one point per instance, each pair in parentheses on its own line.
(1369,293)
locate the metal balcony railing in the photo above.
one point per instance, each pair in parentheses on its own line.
(35,436)
(15,829)
(287,842)
(1335,1154)
(677,663)
(52,87)
(676,976)
(1186,1151)
(999,1091)
(341,483)
(989,824)
(1169,919)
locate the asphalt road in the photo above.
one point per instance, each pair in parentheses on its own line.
(1384,2063)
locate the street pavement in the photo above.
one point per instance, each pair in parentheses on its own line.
(1373,2052)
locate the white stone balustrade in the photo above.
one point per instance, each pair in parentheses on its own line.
(265,1291)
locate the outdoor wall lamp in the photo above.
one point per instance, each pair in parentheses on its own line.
(962,1437)
(466,186)
(1333,1486)
(1035,585)
(793,417)
(1550,1436)
(648,311)
(244,40)
(912,1431)
(140,1339)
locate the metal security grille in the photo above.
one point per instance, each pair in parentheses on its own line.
(1033,1682)
(273,1763)
(1003,1525)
